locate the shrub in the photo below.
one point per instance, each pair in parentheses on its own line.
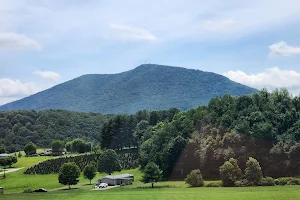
(294,181)
(194,178)
(242,183)
(287,181)
(214,184)
(253,171)
(230,172)
(268,181)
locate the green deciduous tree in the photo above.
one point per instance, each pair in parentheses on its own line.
(57,146)
(78,145)
(30,149)
(227,174)
(89,172)
(109,162)
(69,174)
(7,161)
(194,178)
(237,175)
(253,171)
(152,174)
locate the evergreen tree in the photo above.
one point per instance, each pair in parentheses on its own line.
(152,174)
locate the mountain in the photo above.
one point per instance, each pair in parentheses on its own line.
(149,86)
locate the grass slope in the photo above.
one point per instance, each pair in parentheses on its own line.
(257,193)
(17,182)
(151,87)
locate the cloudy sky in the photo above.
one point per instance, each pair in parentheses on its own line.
(46,42)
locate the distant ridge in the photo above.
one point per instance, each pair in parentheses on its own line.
(149,86)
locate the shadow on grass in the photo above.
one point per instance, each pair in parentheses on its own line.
(155,187)
(67,189)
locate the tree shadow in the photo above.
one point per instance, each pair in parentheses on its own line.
(67,189)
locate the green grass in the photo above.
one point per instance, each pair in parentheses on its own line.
(30,161)
(256,193)
(17,182)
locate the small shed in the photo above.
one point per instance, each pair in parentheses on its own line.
(3,155)
(125,179)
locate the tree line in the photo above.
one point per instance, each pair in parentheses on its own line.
(262,125)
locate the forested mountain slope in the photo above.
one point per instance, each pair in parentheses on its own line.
(17,128)
(150,87)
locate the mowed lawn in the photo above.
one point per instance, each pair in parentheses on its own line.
(253,193)
(17,182)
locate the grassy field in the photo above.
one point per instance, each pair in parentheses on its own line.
(17,182)
(257,193)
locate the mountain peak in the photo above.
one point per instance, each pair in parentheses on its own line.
(149,86)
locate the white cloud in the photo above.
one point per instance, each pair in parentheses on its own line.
(16,88)
(220,25)
(125,32)
(282,49)
(48,75)
(270,78)
(13,41)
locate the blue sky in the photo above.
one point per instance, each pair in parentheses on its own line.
(46,42)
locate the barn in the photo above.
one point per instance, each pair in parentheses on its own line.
(125,179)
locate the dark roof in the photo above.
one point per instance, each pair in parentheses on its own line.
(120,176)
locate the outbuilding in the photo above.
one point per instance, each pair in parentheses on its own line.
(125,179)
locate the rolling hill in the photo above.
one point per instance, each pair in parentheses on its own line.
(149,86)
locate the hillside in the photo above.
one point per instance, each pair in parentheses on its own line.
(17,128)
(151,87)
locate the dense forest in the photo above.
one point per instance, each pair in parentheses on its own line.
(263,125)
(149,86)
(17,128)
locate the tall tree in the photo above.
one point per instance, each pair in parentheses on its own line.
(78,145)
(69,174)
(152,174)
(89,172)
(253,171)
(109,162)
(30,149)
(57,146)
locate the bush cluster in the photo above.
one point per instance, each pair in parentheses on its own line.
(287,181)
(194,179)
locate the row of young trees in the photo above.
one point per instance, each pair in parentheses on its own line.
(106,162)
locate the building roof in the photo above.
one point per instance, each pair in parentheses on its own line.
(121,176)
(4,155)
